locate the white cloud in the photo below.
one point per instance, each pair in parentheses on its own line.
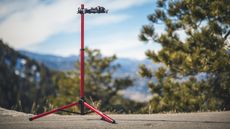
(31,21)
(123,44)
(122,48)
(107,19)
(115,5)
(33,26)
(7,7)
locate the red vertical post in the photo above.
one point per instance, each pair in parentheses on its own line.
(82,55)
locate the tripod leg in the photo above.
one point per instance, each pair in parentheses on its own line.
(104,116)
(53,111)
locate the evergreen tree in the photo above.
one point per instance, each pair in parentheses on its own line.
(24,83)
(100,84)
(204,49)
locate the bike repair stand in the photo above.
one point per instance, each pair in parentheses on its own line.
(82,103)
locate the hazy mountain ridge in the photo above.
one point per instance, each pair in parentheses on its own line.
(68,63)
(129,67)
(53,62)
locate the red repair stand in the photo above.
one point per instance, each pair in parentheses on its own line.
(82,103)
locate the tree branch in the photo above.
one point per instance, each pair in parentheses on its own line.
(226,36)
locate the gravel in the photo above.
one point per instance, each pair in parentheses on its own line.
(10,119)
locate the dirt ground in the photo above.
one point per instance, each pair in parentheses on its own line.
(206,120)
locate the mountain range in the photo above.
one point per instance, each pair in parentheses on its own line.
(139,91)
(53,62)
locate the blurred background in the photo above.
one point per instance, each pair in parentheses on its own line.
(142,57)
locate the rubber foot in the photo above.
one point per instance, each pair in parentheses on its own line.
(114,122)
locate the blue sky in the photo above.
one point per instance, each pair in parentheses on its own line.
(53,27)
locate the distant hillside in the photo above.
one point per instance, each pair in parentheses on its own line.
(53,62)
(23,81)
(128,67)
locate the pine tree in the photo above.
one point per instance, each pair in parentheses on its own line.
(23,84)
(204,49)
(100,83)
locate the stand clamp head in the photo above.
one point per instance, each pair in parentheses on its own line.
(98,9)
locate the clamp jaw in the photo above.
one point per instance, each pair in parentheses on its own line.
(98,9)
